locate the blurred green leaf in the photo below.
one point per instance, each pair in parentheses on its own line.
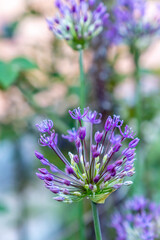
(58,76)
(145,71)
(3,208)
(8,74)
(74,90)
(8,30)
(23,64)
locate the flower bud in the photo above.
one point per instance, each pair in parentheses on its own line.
(117,147)
(119,162)
(49,177)
(108,124)
(54,189)
(82,133)
(98,136)
(59,199)
(40,176)
(43,170)
(96,179)
(111,170)
(65,191)
(69,170)
(39,155)
(76,158)
(67,182)
(90,186)
(134,143)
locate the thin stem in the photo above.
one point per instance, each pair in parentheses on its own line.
(138,114)
(96,221)
(82,105)
(81,221)
(82,80)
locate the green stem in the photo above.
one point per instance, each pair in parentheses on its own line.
(81,221)
(96,221)
(82,105)
(138,110)
(82,80)
(138,92)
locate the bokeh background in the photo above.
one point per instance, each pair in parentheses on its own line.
(39,78)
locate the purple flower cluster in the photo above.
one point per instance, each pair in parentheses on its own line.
(94,171)
(131,20)
(140,220)
(76,22)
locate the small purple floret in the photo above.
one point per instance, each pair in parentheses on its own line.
(82,133)
(76,158)
(96,178)
(39,155)
(134,143)
(93,117)
(69,170)
(45,126)
(98,137)
(59,199)
(76,113)
(43,170)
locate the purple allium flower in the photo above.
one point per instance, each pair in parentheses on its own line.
(137,220)
(95,174)
(132,21)
(76,22)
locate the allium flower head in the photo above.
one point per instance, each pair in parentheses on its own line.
(133,21)
(76,22)
(140,220)
(93,171)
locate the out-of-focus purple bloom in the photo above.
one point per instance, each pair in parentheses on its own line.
(92,117)
(72,135)
(95,174)
(76,22)
(137,220)
(45,126)
(138,203)
(131,20)
(76,113)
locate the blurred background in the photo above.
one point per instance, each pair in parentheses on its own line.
(39,78)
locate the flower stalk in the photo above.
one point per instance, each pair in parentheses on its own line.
(138,110)
(82,80)
(96,221)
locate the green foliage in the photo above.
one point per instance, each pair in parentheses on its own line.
(23,64)
(3,208)
(8,74)
(9,29)
(9,71)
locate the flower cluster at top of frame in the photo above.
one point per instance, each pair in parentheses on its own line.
(77,22)
(132,21)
